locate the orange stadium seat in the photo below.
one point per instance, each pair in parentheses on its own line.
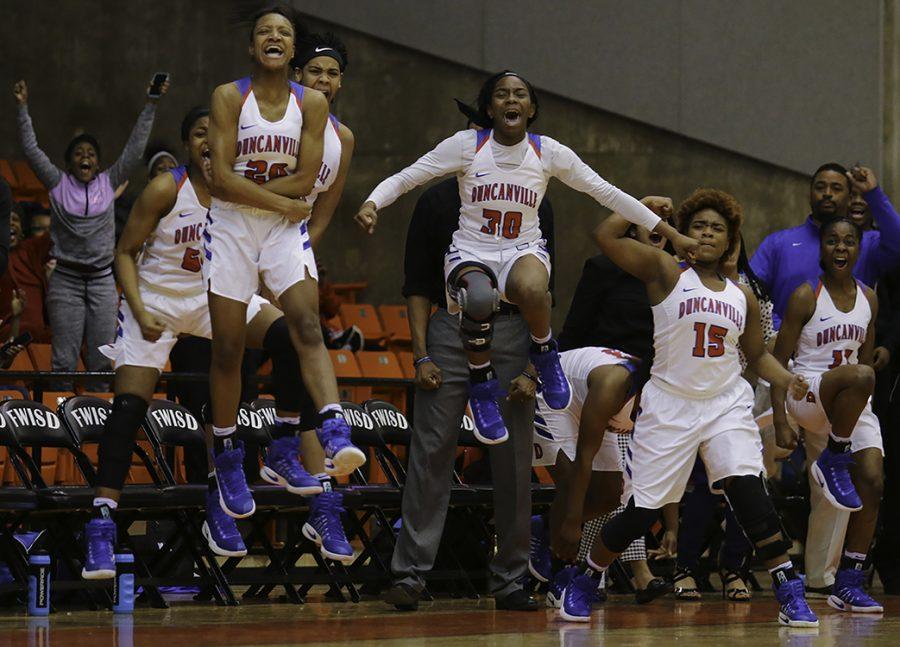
(28,181)
(364,316)
(6,172)
(345,365)
(405,357)
(40,356)
(396,323)
(349,291)
(22,362)
(383,364)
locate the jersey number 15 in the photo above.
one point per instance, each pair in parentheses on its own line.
(709,344)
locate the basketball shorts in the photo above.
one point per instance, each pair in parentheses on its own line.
(241,247)
(501,261)
(671,429)
(810,415)
(181,316)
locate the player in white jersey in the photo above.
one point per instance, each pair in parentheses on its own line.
(258,228)
(830,330)
(497,252)
(696,401)
(164,299)
(320,65)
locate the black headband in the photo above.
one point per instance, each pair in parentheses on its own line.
(313,52)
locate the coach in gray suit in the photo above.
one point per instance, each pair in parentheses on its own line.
(442,380)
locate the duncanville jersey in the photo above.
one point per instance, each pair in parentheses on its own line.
(500,205)
(696,332)
(831,337)
(331,159)
(577,364)
(170,261)
(267,149)
(501,186)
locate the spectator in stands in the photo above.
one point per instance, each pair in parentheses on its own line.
(442,378)
(38,224)
(159,160)
(6,207)
(787,258)
(82,297)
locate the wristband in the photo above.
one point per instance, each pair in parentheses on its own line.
(421,360)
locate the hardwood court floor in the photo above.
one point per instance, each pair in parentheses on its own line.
(463,623)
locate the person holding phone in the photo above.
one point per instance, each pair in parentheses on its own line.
(82,297)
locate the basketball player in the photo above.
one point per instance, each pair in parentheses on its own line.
(497,252)
(320,65)
(696,400)
(165,298)
(258,227)
(830,331)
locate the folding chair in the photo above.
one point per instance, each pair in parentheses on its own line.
(169,425)
(16,503)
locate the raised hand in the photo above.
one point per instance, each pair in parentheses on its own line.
(862,178)
(20,92)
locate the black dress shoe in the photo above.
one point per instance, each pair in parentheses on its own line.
(657,587)
(403,597)
(518,600)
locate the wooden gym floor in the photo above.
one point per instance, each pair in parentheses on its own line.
(465,623)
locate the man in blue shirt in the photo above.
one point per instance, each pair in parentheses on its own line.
(789,257)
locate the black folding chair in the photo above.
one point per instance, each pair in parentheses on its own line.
(16,503)
(169,425)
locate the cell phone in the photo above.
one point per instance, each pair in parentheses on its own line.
(22,340)
(155,91)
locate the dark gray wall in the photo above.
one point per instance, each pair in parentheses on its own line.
(792,83)
(397,101)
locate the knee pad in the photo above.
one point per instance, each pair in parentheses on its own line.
(628,525)
(479,300)
(753,508)
(288,386)
(117,442)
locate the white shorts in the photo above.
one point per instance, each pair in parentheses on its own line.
(500,261)
(560,434)
(669,431)
(810,415)
(240,247)
(181,315)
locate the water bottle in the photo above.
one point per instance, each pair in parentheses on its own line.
(39,583)
(123,588)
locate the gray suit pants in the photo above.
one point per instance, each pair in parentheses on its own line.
(436,420)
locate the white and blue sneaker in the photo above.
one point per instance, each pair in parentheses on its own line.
(539,557)
(794,611)
(558,586)
(832,473)
(578,599)
(848,593)
(326,529)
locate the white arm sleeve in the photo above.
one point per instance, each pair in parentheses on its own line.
(446,158)
(569,169)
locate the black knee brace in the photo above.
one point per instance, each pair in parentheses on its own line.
(478,299)
(117,441)
(288,386)
(628,525)
(753,508)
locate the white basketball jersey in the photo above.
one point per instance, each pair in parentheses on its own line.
(171,260)
(267,149)
(500,207)
(331,159)
(577,365)
(696,332)
(831,337)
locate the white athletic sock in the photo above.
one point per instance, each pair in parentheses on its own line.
(837,439)
(336,408)
(287,420)
(102,500)
(781,567)
(542,340)
(857,556)
(600,570)
(224,431)
(477,366)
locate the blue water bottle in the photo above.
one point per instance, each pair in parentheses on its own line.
(123,588)
(39,583)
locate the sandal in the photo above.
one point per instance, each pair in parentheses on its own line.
(687,593)
(657,587)
(738,593)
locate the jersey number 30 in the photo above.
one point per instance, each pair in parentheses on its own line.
(505,224)
(260,171)
(710,344)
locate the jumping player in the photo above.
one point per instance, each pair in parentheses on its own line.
(165,297)
(696,400)
(258,228)
(830,331)
(497,252)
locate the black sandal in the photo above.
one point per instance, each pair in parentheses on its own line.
(657,587)
(688,594)
(737,594)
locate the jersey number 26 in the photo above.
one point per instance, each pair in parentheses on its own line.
(260,171)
